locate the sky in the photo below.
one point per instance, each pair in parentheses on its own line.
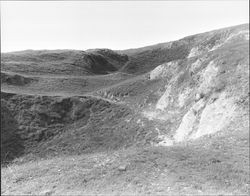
(111,24)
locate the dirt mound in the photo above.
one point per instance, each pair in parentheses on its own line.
(11,142)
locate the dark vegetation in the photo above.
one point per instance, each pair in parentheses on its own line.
(11,142)
(52,126)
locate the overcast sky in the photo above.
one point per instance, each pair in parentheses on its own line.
(109,24)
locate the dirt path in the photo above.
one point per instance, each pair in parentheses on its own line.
(14,91)
(63,76)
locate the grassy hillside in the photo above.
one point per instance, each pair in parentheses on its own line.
(145,61)
(69,62)
(167,119)
(142,60)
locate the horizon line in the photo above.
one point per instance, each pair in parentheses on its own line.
(44,49)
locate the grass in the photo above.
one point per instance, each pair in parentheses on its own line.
(52,126)
(88,134)
(145,61)
(62,86)
(184,169)
(69,62)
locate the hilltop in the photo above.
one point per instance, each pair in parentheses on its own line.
(63,62)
